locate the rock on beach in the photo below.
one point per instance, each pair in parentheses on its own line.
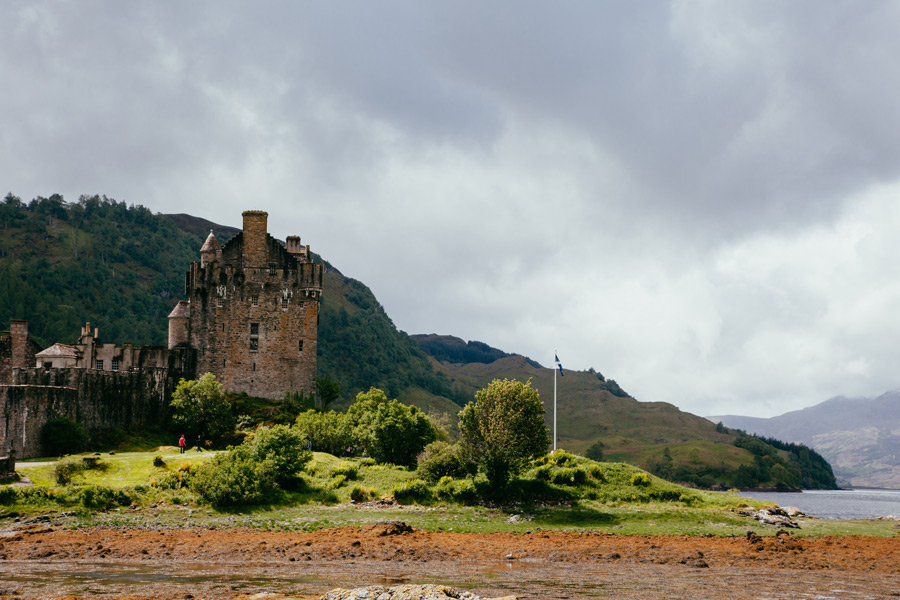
(405,592)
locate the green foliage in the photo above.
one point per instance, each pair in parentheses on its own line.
(640,480)
(389,431)
(503,430)
(347,469)
(440,459)
(100,497)
(236,478)
(61,436)
(283,448)
(65,470)
(292,405)
(595,451)
(412,490)
(330,432)
(158,461)
(7,495)
(328,390)
(200,406)
(361,493)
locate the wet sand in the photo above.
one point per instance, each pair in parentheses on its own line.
(45,562)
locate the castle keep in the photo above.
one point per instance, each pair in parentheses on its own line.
(250,318)
(252,312)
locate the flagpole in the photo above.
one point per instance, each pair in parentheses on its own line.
(554,401)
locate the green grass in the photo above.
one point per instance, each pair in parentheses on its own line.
(611,499)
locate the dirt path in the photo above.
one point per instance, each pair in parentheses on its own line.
(42,562)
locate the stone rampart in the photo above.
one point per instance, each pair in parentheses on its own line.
(95,399)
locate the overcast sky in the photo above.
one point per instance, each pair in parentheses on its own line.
(698,199)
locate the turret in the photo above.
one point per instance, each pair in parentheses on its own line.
(296,249)
(180,324)
(18,331)
(211,251)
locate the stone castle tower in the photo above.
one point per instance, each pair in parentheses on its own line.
(252,312)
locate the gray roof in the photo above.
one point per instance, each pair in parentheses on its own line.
(57,350)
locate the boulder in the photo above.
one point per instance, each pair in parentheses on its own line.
(405,592)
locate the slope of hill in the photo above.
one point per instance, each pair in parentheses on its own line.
(121,268)
(860,437)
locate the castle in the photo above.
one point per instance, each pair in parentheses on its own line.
(251,319)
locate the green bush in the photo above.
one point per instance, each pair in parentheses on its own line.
(348,469)
(173,480)
(64,471)
(7,495)
(283,448)
(440,459)
(236,478)
(568,476)
(329,432)
(61,436)
(595,471)
(99,497)
(158,461)
(461,491)
(640,480)
(359,493)
(337,481)
(411,490)
(389,431)
(557,458)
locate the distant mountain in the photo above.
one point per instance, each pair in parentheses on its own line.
(860,437)
(455,350)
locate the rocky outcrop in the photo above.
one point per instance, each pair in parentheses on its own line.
(405,592)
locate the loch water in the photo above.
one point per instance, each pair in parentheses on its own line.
(837,504)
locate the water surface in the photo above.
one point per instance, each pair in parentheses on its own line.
(837,504)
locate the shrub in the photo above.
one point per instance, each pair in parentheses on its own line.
(568,476)
(595,451)
(283,448)
(7,495)
(174,480)
(235,478)
(158,461)
(348,469)
(457,490)
(596,472)
(337,481)
(389,431)
(102,498)
(359,493)
(64,471)
(557,458)
(329,432)
(640,480)
(411,490)
(440,459)
(62,436)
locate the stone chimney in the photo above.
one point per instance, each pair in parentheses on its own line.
(255,251)
(18,331)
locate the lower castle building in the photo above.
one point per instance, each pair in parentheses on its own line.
(250,318)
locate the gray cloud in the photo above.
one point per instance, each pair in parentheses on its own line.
(694,198)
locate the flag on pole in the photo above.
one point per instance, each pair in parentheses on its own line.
(559,366)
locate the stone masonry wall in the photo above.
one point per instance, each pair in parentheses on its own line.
(95,399)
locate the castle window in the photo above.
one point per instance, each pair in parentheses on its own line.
(115,364)
(98,364)
(254,337)
(220,302)
(48,365)
(301,347)
(284,303)
(254,300)
(271,269)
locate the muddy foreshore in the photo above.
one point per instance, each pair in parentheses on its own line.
(42,561)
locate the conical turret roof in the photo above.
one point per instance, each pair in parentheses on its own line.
(211,244)
(182,310)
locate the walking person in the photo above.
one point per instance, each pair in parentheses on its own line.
(199,444)
(181,443)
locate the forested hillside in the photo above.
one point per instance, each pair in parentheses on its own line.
(122,268)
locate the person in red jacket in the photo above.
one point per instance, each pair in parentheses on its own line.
(181,443)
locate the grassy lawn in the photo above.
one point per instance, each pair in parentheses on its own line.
(615,500)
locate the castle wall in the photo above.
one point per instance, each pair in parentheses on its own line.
(95,399)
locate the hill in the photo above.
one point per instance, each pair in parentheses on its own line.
(860,437)
(121,268)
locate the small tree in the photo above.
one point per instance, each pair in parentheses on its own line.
(200,405)
(389,431)
(328,390)
(329,432)
(503,429)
